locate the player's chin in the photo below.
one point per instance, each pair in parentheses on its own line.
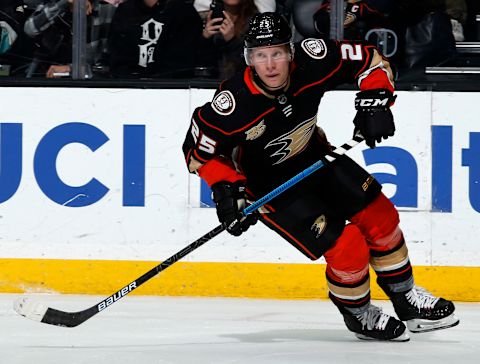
(274,81)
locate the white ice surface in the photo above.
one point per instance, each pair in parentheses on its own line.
(158,330)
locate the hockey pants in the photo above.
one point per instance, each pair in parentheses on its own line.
(373,238)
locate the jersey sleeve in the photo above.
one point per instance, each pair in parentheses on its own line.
(208,147)
(339,62)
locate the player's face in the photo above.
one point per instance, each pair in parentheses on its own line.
(272,65)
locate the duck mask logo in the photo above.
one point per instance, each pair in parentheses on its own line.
(224,103)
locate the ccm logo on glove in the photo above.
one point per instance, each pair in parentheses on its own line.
(371,102)
(374,120)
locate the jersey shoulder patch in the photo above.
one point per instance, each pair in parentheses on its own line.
(224,103)
(315,48)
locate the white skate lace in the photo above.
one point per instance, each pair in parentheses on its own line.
(373,317)
(421,298)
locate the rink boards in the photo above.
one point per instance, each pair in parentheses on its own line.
(94,192)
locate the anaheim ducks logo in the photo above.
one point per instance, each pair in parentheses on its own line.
(224,103)
(349,18)
(294,141)
(256,131)
(319,225)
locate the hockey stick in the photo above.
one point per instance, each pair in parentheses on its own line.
(39,312)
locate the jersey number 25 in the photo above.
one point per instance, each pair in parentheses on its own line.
(206,144)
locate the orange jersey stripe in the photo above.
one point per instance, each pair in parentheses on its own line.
(247,78)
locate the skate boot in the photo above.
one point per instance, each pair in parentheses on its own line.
(370,323)
(422,311)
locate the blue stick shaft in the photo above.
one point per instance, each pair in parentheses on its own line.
(71,319)
(280,189)
(300,176)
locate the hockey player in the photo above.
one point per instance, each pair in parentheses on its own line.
(261,129)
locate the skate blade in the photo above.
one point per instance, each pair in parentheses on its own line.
(419,325)
(402,338)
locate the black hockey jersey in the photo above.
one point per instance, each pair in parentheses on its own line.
(272,138)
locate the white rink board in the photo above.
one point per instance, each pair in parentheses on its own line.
(33,226)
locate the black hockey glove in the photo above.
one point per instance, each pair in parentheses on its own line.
(374,118)
(230,201)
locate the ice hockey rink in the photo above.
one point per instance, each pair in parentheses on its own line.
(220,330)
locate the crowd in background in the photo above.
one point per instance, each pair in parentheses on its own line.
(166,39)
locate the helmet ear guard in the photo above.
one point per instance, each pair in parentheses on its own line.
(292,51)
(246,56)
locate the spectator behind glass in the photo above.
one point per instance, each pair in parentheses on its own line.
(15,48)
(457,10)
(97,40)
(154,38)
(265,5)
(284,7)
(50,26)
(223,37)
(203,6)
(415,10)
(425,34)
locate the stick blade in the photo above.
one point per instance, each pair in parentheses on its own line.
(38,312)
(32,310)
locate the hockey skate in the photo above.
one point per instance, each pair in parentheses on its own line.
(422,311)
(371,323)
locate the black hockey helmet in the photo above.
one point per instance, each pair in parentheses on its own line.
(267,29)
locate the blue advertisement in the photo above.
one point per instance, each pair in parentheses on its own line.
(45,158)
(405,177)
